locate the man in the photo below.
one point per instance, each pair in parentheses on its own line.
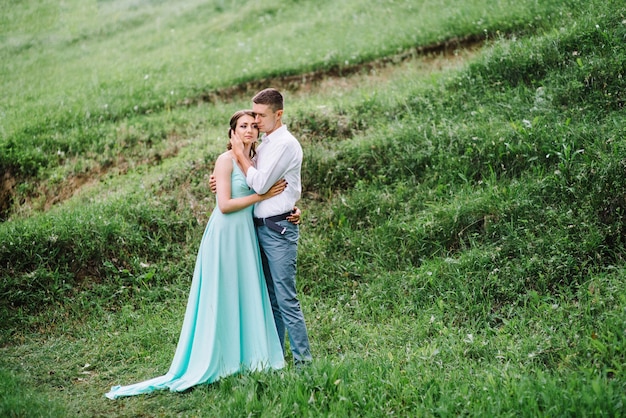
(278,156)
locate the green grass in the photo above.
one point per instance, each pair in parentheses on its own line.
(462,251)
(89,53)
(20,400)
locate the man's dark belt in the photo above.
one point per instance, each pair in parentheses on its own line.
(270,222)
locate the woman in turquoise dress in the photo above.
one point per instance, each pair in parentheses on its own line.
(228,326)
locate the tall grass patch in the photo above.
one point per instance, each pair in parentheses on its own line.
(110,251)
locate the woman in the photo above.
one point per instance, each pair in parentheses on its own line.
(228,326)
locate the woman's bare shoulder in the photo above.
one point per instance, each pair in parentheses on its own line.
(225,157)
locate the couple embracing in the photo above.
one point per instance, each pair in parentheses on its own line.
(243,298)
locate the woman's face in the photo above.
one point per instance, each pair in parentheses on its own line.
(247,129)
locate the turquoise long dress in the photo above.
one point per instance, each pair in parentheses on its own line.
(228,326)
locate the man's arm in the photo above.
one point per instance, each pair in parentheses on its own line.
(276,164)
(294,218)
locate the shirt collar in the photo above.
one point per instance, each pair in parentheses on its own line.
(268,138)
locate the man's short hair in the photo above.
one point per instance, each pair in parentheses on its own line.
(271,97)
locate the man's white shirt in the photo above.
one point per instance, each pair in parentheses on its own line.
(278,156)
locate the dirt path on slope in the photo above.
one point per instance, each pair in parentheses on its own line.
(449,54)
(437,56)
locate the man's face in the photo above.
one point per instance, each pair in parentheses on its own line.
(266,119)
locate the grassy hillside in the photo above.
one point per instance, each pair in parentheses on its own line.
(82,88)
(463,244)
